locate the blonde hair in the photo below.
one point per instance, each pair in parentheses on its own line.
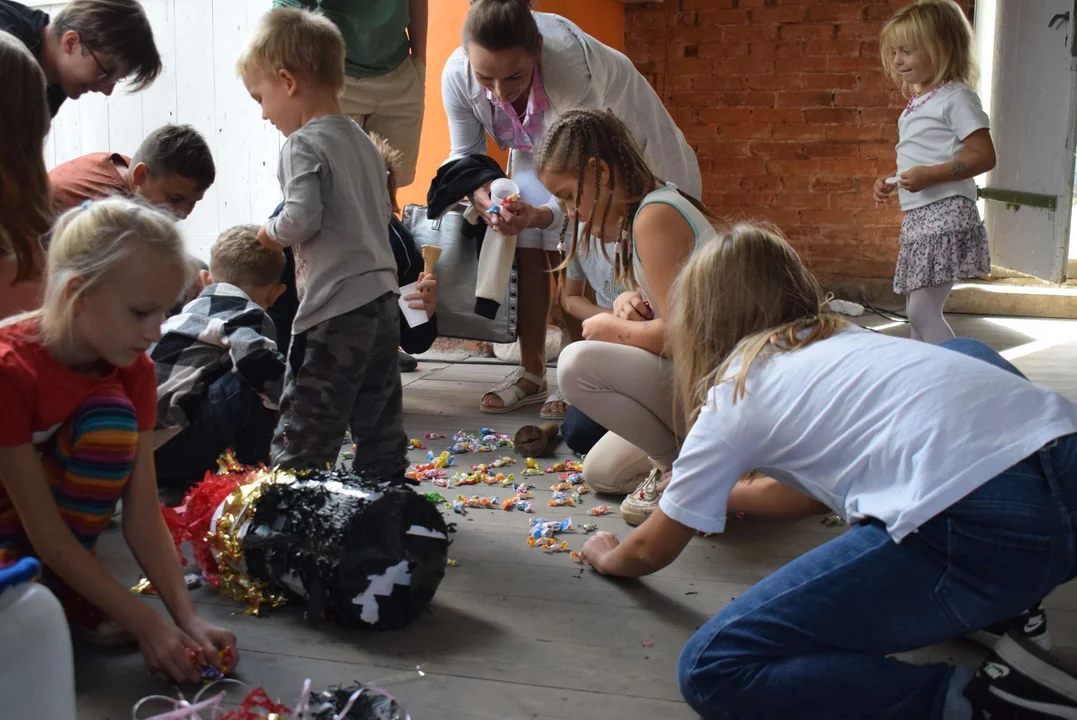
(579,137)
(742,296)
(238,258)
(303,42)
(392,159)
(89,242)
(941,30)
(25,210)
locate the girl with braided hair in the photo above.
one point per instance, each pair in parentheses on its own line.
(515,73)
(615,205)
(621,375)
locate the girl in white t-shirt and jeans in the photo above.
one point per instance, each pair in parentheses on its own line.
(943,143)
(961,499)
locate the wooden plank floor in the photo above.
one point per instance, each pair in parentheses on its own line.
(517,633)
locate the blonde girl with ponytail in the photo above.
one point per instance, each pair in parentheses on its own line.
(79,396)
(961,496)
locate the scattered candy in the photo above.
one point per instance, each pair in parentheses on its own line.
(208,672)
(569,465)
(145,587)
(434,436)
(576,556)
(583,489)
(347,455)
(589,527)
(833,521)
(561,487)
(435,497)
(600,510)
(443,460)
(486,441)
(543,528)
(560,499)
(575,498)
(450,562)
(458,507)
(523,505)
(476,501)
(532,467)
(509,503)
(416,444)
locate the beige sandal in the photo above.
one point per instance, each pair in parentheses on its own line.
(555,397)
(512,395)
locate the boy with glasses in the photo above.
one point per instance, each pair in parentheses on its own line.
(89,46)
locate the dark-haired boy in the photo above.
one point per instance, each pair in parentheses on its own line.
(172,168)
(89,46)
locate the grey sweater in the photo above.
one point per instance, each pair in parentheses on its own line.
(335,217)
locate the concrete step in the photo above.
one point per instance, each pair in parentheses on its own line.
(1023,297)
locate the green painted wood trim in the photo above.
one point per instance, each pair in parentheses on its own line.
(1019,199)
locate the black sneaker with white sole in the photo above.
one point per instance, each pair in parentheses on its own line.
(1031,625)
(1021,681)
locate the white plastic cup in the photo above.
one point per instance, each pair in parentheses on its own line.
(502,189)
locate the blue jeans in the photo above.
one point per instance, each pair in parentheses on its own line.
(231,415)
(580,432)
(812,640)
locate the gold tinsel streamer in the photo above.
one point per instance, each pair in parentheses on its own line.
(228,546)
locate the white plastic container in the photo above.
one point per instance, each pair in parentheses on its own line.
(37,670)
(501,190)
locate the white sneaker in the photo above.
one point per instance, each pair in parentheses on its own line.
(642,501)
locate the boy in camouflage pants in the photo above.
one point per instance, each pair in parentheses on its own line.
(342,364)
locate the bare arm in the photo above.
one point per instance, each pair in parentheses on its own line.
(147,535)
(576,303)
(417,30)
(663,241)
(976,158)
(647,549)
(24,479)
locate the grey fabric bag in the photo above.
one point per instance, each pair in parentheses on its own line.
(457,271)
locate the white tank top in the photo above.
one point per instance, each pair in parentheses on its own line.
(701,226)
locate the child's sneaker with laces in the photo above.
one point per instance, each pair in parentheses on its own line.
(1020,681)
(642,501)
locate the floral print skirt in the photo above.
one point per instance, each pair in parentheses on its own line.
(941,242)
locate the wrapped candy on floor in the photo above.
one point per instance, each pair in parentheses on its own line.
(600,510)
(532,467)
(543,528)
(475,501)
(361,551)
(559,499)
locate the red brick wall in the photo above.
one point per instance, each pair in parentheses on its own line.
(787,107)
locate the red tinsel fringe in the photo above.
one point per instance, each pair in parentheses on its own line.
(256,700)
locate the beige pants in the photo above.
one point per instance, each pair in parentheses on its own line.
(392,106)
(629,391)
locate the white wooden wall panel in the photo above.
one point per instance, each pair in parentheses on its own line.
(199,41)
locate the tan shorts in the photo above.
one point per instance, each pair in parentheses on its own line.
(391,105)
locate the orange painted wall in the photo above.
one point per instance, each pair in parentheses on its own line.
(604,19)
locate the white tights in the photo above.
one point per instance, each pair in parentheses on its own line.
(924,307)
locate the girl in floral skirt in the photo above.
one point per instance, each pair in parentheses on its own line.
(943,143)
